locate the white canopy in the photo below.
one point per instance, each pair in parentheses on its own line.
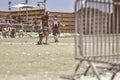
(24,6)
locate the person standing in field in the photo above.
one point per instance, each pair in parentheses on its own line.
(45,30)
(56,27)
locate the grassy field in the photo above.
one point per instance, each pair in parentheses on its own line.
(22,59)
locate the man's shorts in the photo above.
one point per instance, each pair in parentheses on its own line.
(56,31)
(46,30)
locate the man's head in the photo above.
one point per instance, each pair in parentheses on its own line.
(55,16)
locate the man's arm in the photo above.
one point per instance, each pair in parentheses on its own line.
(62,24)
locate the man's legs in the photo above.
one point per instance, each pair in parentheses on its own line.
(46,36)
(40,39)
(55,35)
(46,40)
(56,38)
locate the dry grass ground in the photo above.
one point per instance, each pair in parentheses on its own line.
(22,59)
(27,61)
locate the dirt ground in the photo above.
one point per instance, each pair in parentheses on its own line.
(22,59)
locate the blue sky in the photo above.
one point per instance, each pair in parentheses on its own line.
(52,5)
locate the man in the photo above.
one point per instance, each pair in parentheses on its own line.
(13,32)
(45,30)
(55,28)
(9,19)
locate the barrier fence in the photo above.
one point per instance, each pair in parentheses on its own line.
(97,29)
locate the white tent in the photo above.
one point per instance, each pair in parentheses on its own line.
(24,6)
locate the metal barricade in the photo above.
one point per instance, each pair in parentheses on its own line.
(97,39)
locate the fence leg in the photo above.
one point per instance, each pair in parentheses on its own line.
(94,70)
(85,73)
(114,74)
(76,69)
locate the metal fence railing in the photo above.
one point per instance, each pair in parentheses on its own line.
(97,29)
